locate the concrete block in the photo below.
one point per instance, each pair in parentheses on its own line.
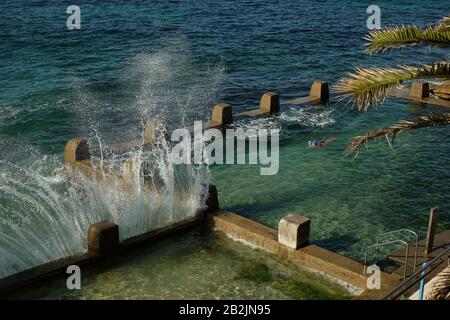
(149,131)
(319,90)
(419,90)
(212,200)
(443,90)
(432,222)
(103,238)
(293,231)
(270,103)
(222,114)
(128,169)
(76,150)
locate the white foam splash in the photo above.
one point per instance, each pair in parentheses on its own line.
(8,112)
(45,215)
(308,116)
(304,116)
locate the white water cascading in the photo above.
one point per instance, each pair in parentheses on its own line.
(45,214)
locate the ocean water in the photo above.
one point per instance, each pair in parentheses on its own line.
(174,60)
(198,264)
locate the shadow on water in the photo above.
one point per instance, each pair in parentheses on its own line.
(338,242)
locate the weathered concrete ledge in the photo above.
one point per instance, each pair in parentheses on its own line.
(59,266)
(293,231)
(269,104)
(319,94)
(161,232)
(105,173)
(419,92)
(237,227)
(222,115)
(103,243)
(44,271)
(78,157)
(309,256)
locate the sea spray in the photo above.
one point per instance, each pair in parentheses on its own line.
(46,209)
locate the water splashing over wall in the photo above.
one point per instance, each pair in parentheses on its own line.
(45,212)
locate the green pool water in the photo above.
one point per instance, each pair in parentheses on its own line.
(349,200)
(199,264)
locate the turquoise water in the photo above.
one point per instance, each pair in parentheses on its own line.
(137,59)
(196,265)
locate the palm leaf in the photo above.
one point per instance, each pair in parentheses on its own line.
(405,36)
(380,40)
(370,86)
(441,287)
(431,120)
(444,24)
(436,36)
(439,69)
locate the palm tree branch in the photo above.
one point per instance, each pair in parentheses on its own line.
(441,287)
(370,86)
(444,24)
(431,120)
(404,36)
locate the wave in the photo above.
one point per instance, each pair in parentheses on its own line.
(45,212)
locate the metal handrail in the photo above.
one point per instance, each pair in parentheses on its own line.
(420,274)
(386,243)
(398,231)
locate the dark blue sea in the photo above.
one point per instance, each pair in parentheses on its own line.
(134,60)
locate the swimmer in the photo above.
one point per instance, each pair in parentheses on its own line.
(319,143)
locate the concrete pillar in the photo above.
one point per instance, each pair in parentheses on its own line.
(432,221)
(319,90)
(419,90)
(270,103)
(222,114)
(293,231)
(103,238)
(212,200)
(128,169)
(149,131)
(76,150)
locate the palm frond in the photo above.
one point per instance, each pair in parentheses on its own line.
(381,40)
(370,86)
(442,91)
(444,24)
(435,36)
(405,36)
(431,120)
(439,69)
(441,287)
